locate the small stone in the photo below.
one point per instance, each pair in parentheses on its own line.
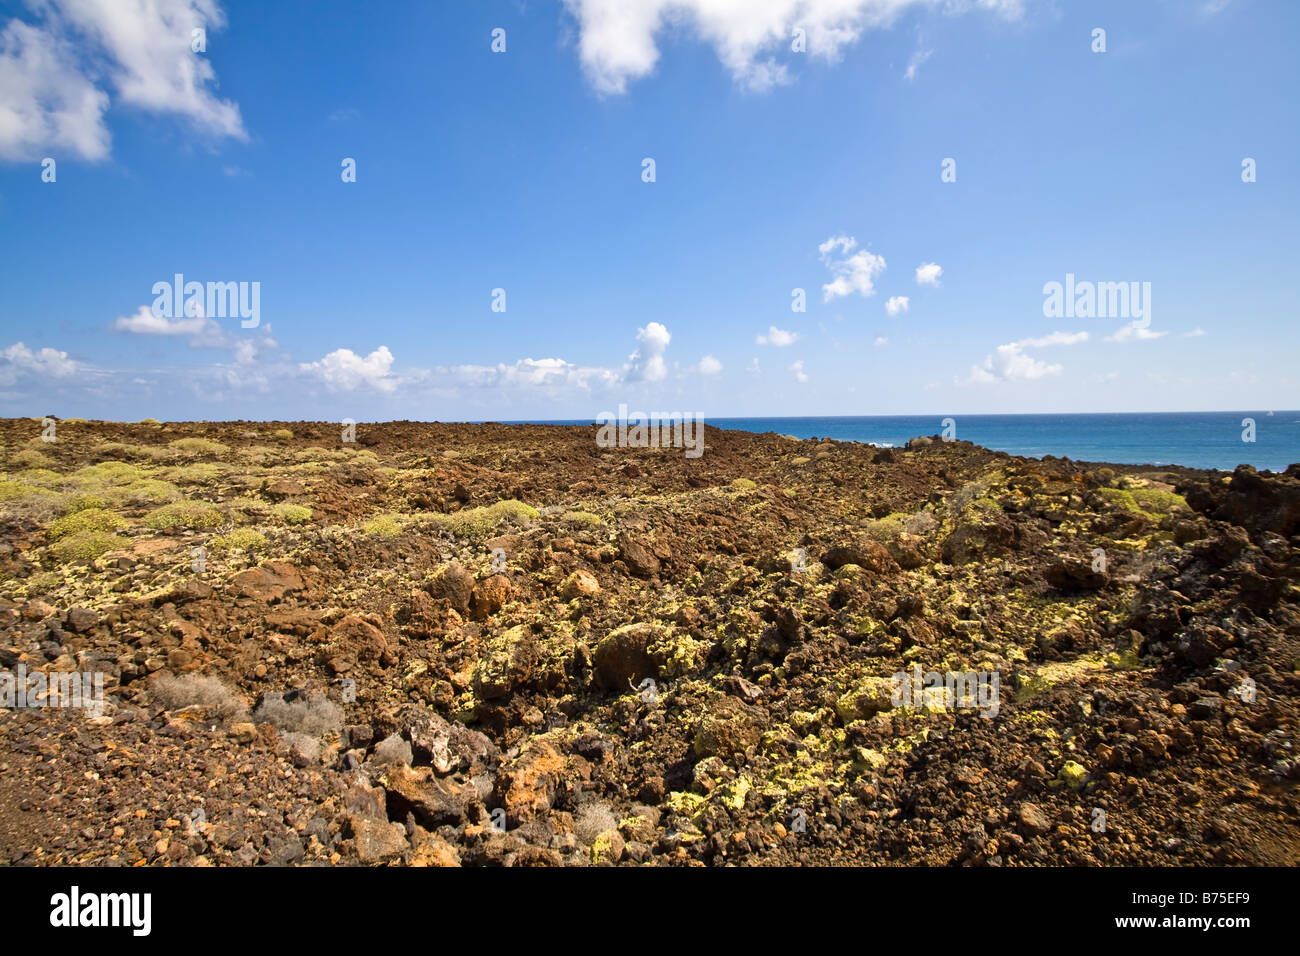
(79,620)
(1032,819)
(579,584)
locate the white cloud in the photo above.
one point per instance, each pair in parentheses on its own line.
(52,73)
(46,104)
(799,374)
(777,337)
(18,360)
(854,271)
(344,370)
(1055,338)
(617,39)
(202,332)
(709,365)
(646,364)
(928,273)
(145,322)
(897,304)
(881,341)
(753,368)
(528,373)
(1134,332)
(914,64)
(1196,333)
(1010,363)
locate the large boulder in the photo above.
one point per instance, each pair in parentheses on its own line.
(453,584)
(622,659)
(868,555)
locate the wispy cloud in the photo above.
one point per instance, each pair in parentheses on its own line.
(1135,332)
(915,63)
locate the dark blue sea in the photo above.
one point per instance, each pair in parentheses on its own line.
(1194,439)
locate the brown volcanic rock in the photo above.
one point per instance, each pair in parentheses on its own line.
(640,560)
(269,582)
(868,555)
(453,584)
(1174,680)
(622,658)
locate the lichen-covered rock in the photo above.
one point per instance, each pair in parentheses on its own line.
(579,584)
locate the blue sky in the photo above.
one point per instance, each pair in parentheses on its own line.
(522,170)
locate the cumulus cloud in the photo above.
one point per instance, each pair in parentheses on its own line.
(54,75)
(881,341)
(928,273)
(646,364)
(799,374)
(345,370)
(46,104)
(1010,363)
(1135,332)
(618,39)
(853,271)
(897,304)
(709,366)
(19,360)
(777,337)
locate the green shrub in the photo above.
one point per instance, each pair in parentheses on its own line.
(386,526)
(16,492)
(478,522)
(107,472)
(153,491)
(84,503)
(28,458)
(87,545)
(291,513)
(91,519)
(241,539)
(40,476)
(185,514)
(199,446)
